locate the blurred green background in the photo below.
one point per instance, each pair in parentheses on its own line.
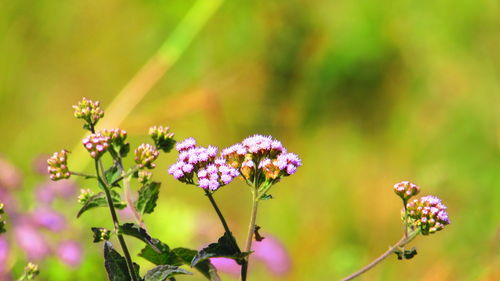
(368,93)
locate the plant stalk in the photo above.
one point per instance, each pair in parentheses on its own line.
(405,240)
(116,223)
(251,230)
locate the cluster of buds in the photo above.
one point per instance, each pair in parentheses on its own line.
(259,155)
(162,138)
(145,155)
(406,190)
(101,234)
(215,175)
(31,271)
(428,214)
(88,110)
(96,145)
(84,196)
(57,165)
(144,176)
(201,161)
(116,140)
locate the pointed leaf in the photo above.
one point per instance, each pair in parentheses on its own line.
(204,267)
(148,194)
(223,248)
(162,272)
(115,264)
(112,174)
(140,233)
(99,200)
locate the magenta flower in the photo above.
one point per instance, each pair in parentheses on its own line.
(10,177)
(70,252)
(428,213)
(4,254)
(406,189)
(269,251)
(198,165)
(96,145)
(31,241)
(48,218)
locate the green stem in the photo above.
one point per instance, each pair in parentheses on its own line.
(116,222)
(400,243)
(251,230)
(87,176)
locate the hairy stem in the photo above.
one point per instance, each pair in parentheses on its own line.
(405,240)
(87,176)
(127,191)
(251,230)
(116,222)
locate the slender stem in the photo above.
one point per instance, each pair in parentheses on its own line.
(217,210)
(400,243)
(251,229)
(127,191)
(83,175)
(116,222)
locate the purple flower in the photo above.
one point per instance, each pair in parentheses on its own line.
(270,251)
(185,144)
(70,252)
(10,177)
(288,162)
(273,254)
(48,218)
(31,241)
(4,254)
(428,214)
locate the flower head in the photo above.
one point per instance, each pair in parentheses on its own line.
(428,214)
(162,138)
(211,172)
(406,189)
(57,165)
(88,110)
(96,144)
(145,155)
(116,141)
(261,159)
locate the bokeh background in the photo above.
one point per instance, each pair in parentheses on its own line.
(368,93)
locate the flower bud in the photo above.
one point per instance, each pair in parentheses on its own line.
(145,155)
(84,196)
(88,110)
(162,138)
(57,166)
(428,214)
(406,189)
(117,139)
(96,145)
(144,176)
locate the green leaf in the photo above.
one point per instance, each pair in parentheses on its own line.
(100,234)
(99,200)
(177,257)
(266,197)
(112,174)
(115,264)
(140,233)
(2,227)
(162,272)
(124,150)
(204,267)
(148,195)
(223,248)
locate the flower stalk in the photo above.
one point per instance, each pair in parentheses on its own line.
(116,222)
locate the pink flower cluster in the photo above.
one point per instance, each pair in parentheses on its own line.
(201,161)
(96,144)
(267,154)
(57,165)
(428,213)
(145,155)
(406,189)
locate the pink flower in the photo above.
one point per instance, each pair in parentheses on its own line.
(70,252)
